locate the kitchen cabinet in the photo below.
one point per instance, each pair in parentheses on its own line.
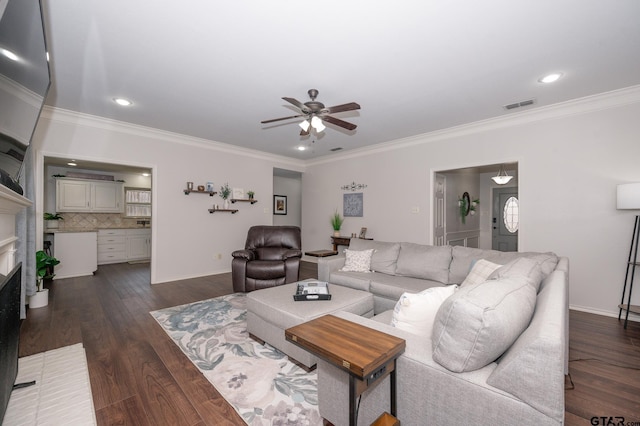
(123,245)
(84,195)
(138,244)
(76,252)
(137,202)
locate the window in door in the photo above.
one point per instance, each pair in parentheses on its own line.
(510,215)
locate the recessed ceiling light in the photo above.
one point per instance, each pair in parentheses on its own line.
(9,54)
(146,174)
(301,148)
(550,78)
(122,101)
(71,163)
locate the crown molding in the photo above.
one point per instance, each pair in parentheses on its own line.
(588,104)
(64,116)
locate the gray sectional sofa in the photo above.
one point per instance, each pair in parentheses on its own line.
(524,385)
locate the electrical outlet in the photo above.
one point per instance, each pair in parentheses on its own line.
(415,210)
(219,256)
(266,210)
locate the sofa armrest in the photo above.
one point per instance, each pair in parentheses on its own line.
(244,254)
(291,253)
(327,265)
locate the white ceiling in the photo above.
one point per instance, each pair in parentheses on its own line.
(214,69)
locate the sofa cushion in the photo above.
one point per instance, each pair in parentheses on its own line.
(392,286)
(357,261)
(522,266)
(355,280)
(415,312)
(462,260)
(478,323)
(426,262)
(385,255)
(480,272)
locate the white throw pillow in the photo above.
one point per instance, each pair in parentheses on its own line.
(480,272)
(415,312)
(357,261)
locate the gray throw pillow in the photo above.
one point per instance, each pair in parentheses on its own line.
(385,255)
(479,323)
(518,267)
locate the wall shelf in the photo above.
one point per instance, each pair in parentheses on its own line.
(189,191)
(232,211)
(252,201)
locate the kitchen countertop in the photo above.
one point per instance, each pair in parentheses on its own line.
(68,230)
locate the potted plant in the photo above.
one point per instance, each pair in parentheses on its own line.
(336,223)
(44,265)
(250,193)
(52,219)
(225,192)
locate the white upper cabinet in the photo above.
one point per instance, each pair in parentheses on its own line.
(80,195)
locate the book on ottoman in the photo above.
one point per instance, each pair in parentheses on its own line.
(312,290)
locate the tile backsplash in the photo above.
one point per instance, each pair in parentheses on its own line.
(97,220)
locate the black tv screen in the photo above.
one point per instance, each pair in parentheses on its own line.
(24,80)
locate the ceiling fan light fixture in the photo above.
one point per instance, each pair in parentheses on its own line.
(502,178)
(317,124)
(305,125)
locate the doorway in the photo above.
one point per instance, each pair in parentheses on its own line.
(505,219)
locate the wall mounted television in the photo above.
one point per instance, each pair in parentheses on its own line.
(24,83)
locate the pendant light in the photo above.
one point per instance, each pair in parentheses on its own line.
(502,177)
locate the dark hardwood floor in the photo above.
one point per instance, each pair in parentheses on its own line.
(140,377)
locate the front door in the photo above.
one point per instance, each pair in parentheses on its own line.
(505,219)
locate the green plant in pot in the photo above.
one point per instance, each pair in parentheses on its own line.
(225,192)
(336,223)
(251,193)
(52,219)
(44,265)
(44,270)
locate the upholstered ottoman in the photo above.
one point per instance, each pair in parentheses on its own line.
(272,310)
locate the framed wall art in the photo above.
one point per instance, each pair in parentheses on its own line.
(280,204)
(352,205)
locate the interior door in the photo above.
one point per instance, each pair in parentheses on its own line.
(439,210)
(505,219)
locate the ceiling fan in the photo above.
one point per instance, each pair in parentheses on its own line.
(314,112)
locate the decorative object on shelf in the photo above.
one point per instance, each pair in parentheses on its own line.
(353,186)
(201,188)
(628,198)
(280,204)
(502,178)
(336,223)
(237,193)
(363,233)
(210,187)
(353,205)
(466,206)
(190,186)
(225,192)
(52,220)
(250,194)
(44,265)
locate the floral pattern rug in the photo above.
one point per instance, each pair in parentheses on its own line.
(259,381)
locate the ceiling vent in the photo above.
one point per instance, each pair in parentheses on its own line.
(520,104)
(335,149)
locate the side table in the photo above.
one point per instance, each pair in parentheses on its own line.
(366,354)
(343,241)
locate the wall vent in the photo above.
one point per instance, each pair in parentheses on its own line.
(335,149)
(520,104)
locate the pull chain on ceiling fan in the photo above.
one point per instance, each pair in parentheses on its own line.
(315,112)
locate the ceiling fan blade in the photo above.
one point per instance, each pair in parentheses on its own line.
(280,119)
(338,122)
(342,108)
(297,103)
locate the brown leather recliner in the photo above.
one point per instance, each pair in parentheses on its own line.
(271,257)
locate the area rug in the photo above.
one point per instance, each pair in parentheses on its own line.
(61,394)
(259,381)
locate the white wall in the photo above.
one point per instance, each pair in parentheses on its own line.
(185,237)
(570,159)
